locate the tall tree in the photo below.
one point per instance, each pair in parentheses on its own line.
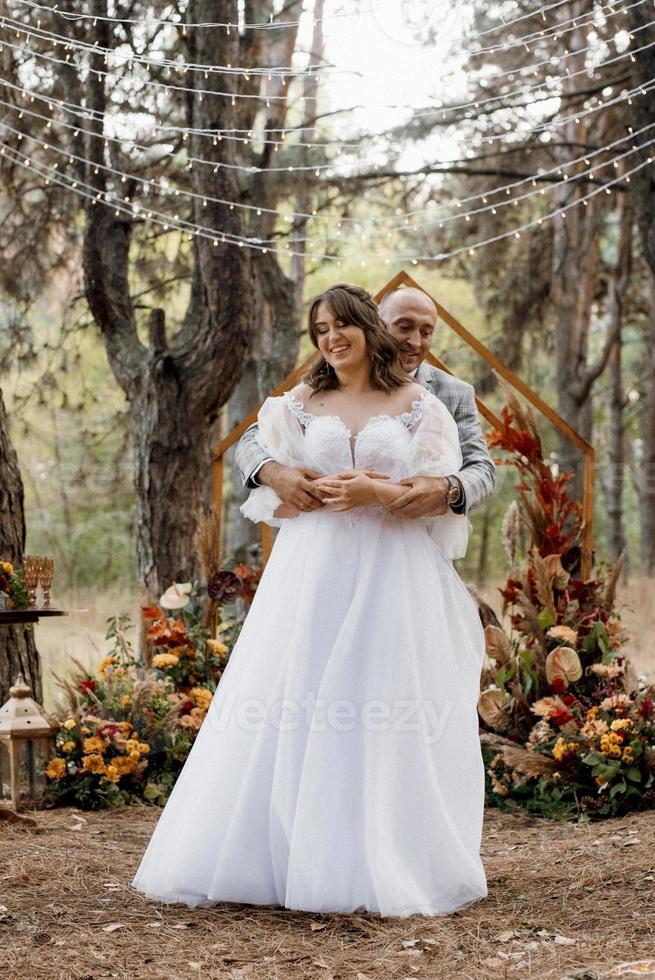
(18,652)
(643,183)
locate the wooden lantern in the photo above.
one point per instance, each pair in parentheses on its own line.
(27,734)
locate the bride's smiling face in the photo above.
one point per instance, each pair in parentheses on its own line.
(342,344)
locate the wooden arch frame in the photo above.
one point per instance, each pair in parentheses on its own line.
(403,279)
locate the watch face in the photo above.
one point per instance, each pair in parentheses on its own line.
(453,495)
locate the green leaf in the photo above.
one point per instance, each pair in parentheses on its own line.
(545,619)
(633,773)
(618,788)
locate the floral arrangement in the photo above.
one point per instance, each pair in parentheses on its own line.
(129,726)
(12,587)
(570,730)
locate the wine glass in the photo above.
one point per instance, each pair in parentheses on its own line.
(31,573)
(46,575)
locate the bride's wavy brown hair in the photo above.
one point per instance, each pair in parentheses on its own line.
(355,306)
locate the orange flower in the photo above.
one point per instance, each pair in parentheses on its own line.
(94,763)
(56,768)
(167,633)
(151,612)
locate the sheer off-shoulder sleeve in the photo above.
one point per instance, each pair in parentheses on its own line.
(435,451)
(281,436)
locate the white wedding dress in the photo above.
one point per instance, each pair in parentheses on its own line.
(339,765)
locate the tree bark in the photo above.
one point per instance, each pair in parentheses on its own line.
(175,389)
(617,285)
(643,192)
(18,651)
(643,114)
(646,486)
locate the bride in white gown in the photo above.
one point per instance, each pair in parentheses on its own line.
(339,765)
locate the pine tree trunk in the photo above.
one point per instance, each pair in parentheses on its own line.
(18,651)
(646,485)
(617,284)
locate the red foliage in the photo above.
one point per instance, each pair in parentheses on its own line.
(151,612)
(167,633)
(560,717)
(250,580)
(560,518)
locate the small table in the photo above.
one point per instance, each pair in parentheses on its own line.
(10,617)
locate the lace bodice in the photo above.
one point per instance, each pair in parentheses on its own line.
(383,443)
(422,441)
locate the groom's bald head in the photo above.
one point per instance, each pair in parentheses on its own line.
(411,317)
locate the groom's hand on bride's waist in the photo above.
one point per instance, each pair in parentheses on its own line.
(293,485)
(425,497)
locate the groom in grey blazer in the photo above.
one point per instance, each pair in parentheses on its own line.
(411,318)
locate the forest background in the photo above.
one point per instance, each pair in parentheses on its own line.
(415,134)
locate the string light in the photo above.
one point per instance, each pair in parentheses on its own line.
(271,24)
(111,196)
(399,220)
(562,121)
(70,44)
(74,109)
(475,103)
(558,31)
(200,231)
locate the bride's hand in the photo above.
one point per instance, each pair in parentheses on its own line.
(353,488)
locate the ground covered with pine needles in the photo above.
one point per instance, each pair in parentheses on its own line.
(564,901)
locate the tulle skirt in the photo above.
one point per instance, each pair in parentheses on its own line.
(339,765)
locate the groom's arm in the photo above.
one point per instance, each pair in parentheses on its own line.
(250,457)
(426,495)
(478,473)
(294,486)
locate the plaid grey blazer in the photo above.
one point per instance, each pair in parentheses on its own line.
(478,472)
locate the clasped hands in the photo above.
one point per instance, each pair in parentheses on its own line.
(304,490)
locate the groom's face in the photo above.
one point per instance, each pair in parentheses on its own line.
(411,318)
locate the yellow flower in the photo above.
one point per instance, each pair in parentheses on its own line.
(112,774)
(627,754)
(55,769)
(165,660)
(85,730)
(69,723)
(201,696)
(562,748)
(124,763)
(68,746)
(620,724)
(107,662)
(135,755)
(217,647)
(7,567)
(126,700)
(94,763)
(94,744)
(143,747)
(591,714)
